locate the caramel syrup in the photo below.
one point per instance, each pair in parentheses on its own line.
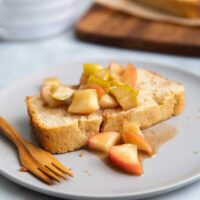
(157,136)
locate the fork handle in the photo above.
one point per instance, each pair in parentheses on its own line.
(11,133)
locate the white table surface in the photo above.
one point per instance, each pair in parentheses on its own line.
(21,58)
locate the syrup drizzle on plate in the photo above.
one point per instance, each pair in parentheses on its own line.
(157,136)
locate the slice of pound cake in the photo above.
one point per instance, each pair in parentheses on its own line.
(158,100)
(131,94)
(59,131)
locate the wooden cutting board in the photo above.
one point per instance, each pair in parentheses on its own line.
(111,27)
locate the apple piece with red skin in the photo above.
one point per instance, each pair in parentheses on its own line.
(103,141)
(129,76)
(125,157)
(134,138)
(116,71)
(100,91)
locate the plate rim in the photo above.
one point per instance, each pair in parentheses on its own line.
(148,193)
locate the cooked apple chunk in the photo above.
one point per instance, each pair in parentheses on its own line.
(129,126)
(106,102)
(84,102)
(125,157)
(45,94)
(97,80)
(130,75)
(132,134)
(103,141)
(83,79)
(116,71)
(134,138)
(52,81)
(103,74)
(62,92)
(125,96)
(100,91)
(90,69)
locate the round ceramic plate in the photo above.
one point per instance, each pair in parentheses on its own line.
(177,164)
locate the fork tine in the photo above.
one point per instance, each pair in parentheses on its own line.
(56,171)
(48,173)
(36,172)
(56,163)
(61,167)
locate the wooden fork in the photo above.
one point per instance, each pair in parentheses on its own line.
(37,161)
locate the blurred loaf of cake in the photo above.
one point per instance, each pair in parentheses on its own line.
(182,8)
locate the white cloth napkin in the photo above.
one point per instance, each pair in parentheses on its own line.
(145,12)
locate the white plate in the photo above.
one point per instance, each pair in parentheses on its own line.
(175,166)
